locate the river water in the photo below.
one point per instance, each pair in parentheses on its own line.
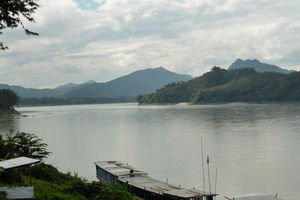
(255,147)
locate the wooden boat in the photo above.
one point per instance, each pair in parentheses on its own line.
(144,186)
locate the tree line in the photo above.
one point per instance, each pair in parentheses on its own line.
(72,100)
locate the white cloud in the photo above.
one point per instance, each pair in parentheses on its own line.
(187,36)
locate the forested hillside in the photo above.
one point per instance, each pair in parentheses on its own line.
(221,86)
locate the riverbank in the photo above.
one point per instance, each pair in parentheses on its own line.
(49,184)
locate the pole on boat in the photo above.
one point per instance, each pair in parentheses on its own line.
(202,157)
(216,180)
(208,173)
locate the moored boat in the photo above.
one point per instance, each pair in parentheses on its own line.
(144,186)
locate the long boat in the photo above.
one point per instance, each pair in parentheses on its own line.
(142,185)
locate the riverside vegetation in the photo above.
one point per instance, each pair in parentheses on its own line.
(224,86)
(49,183)
(8,99)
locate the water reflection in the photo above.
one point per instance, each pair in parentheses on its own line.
(254,146)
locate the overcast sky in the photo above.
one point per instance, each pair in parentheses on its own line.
(83,40)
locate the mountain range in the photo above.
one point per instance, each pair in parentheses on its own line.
(257,66)
(138,82)
(126,88)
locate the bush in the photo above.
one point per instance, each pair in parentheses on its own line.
(114,192)
(48,173)
(3,196)
(11,176)
(88,190)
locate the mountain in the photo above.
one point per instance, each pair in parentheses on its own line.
(65,86)
(257,66)
(222,86)
(29,92)
(138,82)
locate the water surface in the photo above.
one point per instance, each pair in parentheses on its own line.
(254,146)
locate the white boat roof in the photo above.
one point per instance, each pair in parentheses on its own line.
(17,162)
(18,192)
(255,197)
(118,168)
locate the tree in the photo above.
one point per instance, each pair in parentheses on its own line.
(8,97)
(12,12)
(3,196)
(26,144)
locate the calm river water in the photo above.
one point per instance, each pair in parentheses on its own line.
(255,147)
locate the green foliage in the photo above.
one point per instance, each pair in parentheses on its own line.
(3,196)
(114,192)
(260,87)
(11,176)
(26,144)
(13,12)
(49,173)
(49,183)
(88,190)
(53,191)
(221,86)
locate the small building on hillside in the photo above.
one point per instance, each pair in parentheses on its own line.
(20,193)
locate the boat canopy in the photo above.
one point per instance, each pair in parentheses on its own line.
(254,197)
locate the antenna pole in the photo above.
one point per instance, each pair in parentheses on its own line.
(216,180)
(208,174)
(202,157)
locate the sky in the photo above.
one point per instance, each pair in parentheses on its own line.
(100,40)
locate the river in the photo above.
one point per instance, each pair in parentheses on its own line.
(255,147)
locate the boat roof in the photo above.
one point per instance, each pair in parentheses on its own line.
(140,179)
(17,162)
(254,197)
(153,185)
(118,168)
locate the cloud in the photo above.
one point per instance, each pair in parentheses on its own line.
(103,39)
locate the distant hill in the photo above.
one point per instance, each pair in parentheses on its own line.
(29,92)
(123,88)
(257,66)
(66,86)
(138,82)
(222,86)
